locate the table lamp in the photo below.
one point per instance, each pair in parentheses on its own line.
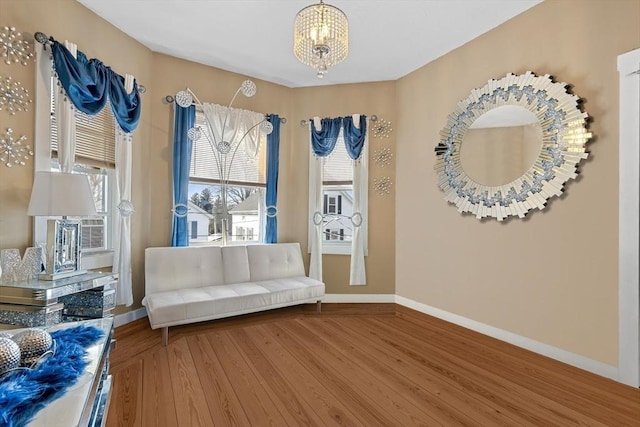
(62,194)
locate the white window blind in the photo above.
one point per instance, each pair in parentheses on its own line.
(241,168)
(337,168)
(95,137)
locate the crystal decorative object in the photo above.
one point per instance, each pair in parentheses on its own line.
(13,97)
(321,37)
(13,151)
(266,127)
(184,98)
(13,49)
(224,147)
(33,343)
(125,207)
(9,355)
(194,134)
(9,262)
(248,88)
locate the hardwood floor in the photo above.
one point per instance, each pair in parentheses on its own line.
(352,365)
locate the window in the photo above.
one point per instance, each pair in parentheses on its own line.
(245,174)
(97,230)
(95,157)
(337,190)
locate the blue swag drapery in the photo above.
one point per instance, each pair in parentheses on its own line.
(323,141)
(182,147)
(89,83)
(273,164)
(354,137)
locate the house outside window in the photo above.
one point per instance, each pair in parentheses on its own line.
(337,190)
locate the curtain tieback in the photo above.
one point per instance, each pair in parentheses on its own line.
(271,211)
(180,210)
(356,219)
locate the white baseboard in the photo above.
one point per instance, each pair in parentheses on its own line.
(130,316)
(359,298)
(573,359)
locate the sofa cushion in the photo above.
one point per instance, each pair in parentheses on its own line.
(275,261)
(235,264)
(212,302)
(169,268)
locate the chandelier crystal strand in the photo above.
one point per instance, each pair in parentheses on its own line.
(321,37)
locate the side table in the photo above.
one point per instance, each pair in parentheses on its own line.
(48,302)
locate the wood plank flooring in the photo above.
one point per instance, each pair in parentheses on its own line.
(351,365)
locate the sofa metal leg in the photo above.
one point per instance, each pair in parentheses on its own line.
(165,336)
(318,306)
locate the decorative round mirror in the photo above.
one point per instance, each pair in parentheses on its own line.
(510,146)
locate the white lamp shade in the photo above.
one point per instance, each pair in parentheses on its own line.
(61,194)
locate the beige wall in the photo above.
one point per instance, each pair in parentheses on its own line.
(553,276)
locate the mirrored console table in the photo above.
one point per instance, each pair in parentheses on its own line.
(48,302)
(85,403)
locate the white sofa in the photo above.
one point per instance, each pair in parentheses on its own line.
(195,284)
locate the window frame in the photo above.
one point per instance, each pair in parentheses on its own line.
(261,164)
(44,161)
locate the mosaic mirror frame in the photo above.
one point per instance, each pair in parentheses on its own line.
(564,136)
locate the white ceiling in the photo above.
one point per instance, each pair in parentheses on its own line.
(388,38)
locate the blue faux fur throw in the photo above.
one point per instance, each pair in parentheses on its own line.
(25,391)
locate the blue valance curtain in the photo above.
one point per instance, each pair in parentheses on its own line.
(273,154)
(89,83)
(182,146)
(354,136)
(323,141)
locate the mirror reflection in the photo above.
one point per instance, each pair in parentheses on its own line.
(501,145)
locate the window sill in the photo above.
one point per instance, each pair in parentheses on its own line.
(93,260)
(336,249)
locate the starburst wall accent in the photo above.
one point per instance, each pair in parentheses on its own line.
(382,186)
(381,128)
(13,48)
(13,97)
(13,151)
(383,156)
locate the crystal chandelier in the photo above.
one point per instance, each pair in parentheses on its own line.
(321,37)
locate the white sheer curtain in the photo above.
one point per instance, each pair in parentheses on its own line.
(235,122)
(65,120)
(359,218)
(315,210)
(122,254)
